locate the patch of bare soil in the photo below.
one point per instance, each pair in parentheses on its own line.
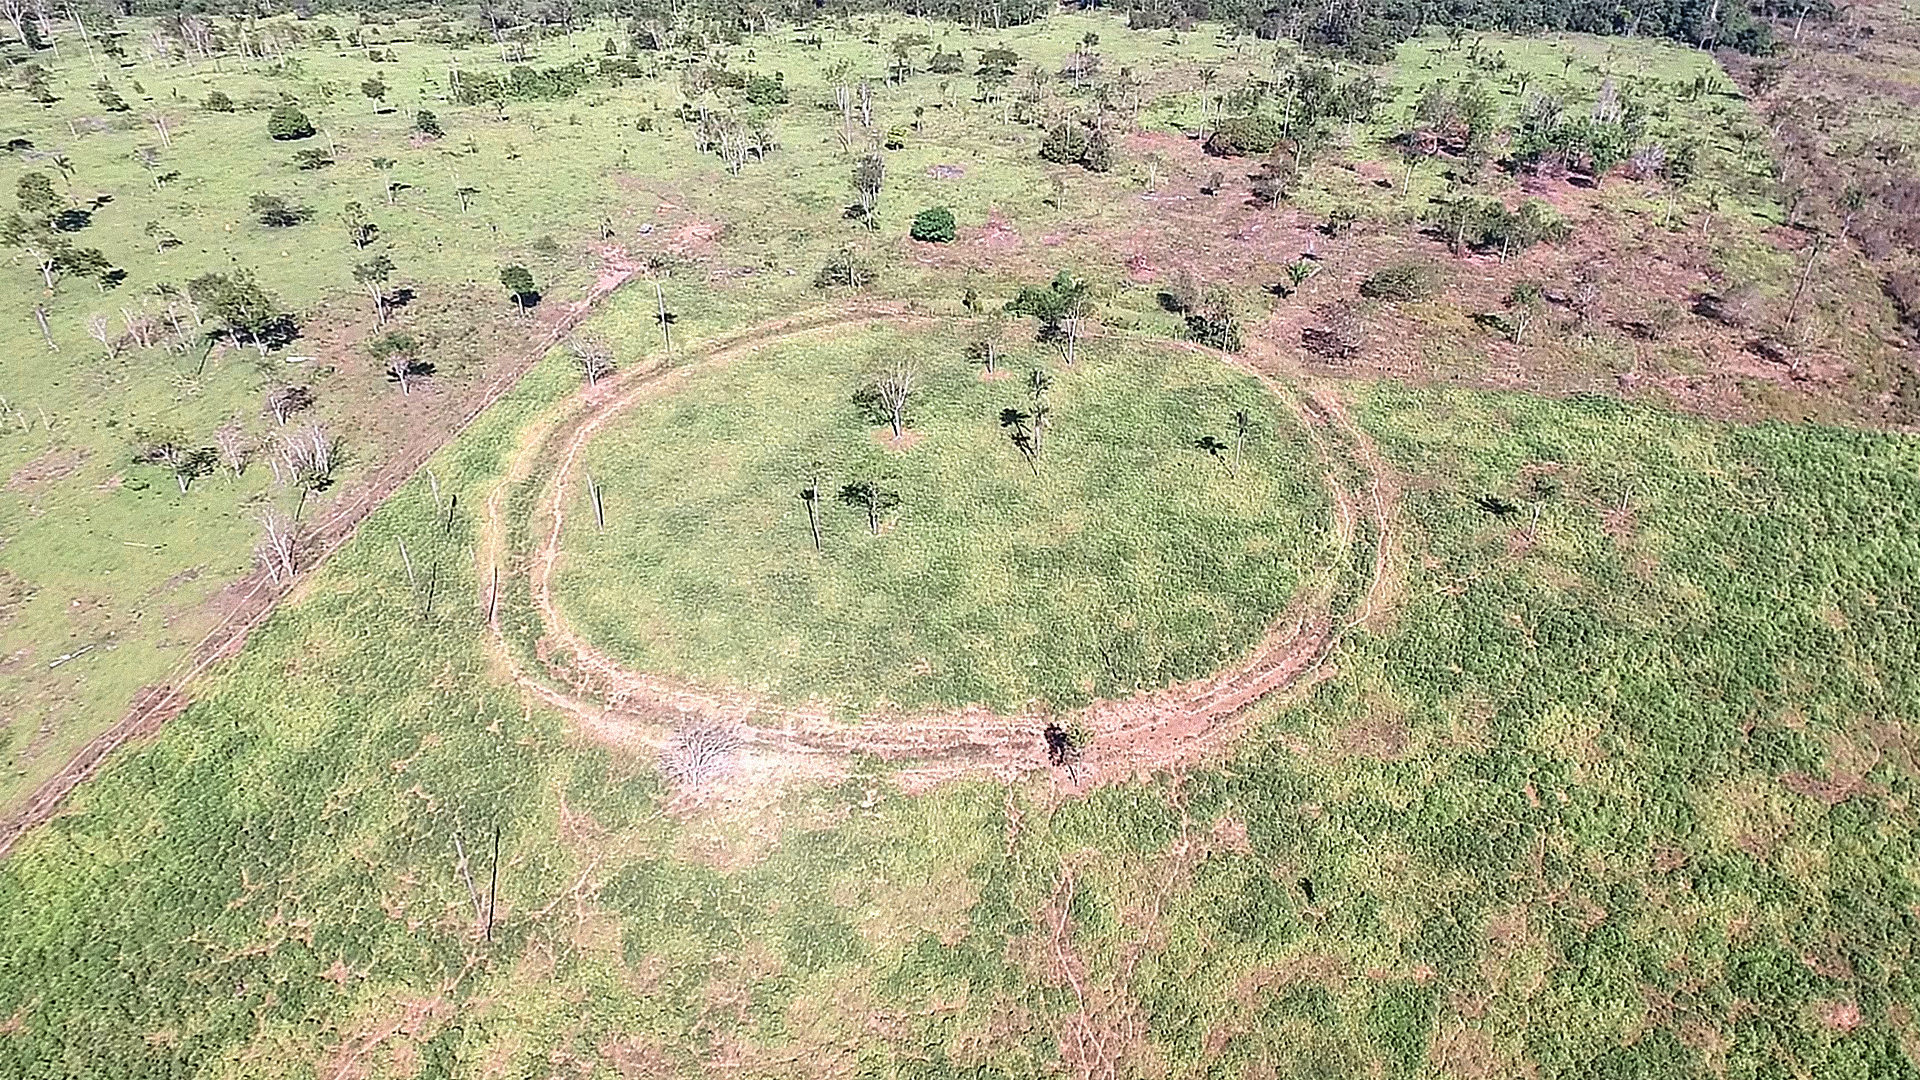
(48,469)
(1170,727)
(907,440)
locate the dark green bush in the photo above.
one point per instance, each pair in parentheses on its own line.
(288,123)
(934,225)
(1399,282)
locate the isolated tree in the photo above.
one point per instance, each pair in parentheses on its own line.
(868,174)
(234,446)
(1242,427)
(306,458)
(873,497)
(398,354)
(37,198)
(1038,383)
(217,101)
(239,304)
(278,549)
(427,124)
(465,194)
(591,354)
(385,165)
(47,251)
(1277,177)
(519,284)
(283,402)
(1063,308)
(891,389)
(275,212)
(90,263)
(373,276)
(287,123)
(353,217)
(168,448)
(1524,303)
(375,89)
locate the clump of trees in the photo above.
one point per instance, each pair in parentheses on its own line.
(238,303)
(518,281)
(1071,142)
(868,174)
(1487,225)
(1063,306)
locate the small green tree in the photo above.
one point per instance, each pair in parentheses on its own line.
(934,225)
(36,195)
(868,174)
(276,212)
(375,89)
(427,124)
(287,123)
(217,101)
(398,354)
(520,287)
(1524,303)
(237,302)
(873,497)
(373,276)
(360,231)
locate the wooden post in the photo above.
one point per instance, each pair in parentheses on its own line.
(599,511)
(493,594)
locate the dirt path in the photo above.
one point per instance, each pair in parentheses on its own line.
(1165,728)
(250,600)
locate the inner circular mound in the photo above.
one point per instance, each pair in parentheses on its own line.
(1151,538)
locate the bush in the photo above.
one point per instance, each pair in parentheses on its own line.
(1242,136)
(288,123)
(946,63)
(933,225)
(311,158)
(896,139)
(217,101)
(1400,282)
(844,273)
(427,124)
(764,91)
(277,213)
(1072,143)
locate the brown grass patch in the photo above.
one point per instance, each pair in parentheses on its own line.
(48,469)
(907,440)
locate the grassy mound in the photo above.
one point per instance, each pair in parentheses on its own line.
(1142,544)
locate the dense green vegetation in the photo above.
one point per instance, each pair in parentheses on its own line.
(1106,532)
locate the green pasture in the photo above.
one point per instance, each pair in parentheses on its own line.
(1624,799)
(1133,551)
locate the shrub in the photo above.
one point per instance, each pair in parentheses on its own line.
(277,213)
(934,225)
(762,90)
(427,124)
(843,273)
(288,123)
(1400,282)
(1073,143)
(217,101)
(946,63)
(311,158)
(896,138)
(1241,136)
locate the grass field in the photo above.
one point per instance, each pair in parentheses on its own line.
(1624,800)
(1616,782)
(1126,556)
(136,571)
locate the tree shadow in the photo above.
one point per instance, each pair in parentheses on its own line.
(1211,446)
(1497,506)
(72,220)
(18,144)
(399,298)
(281,332)
(112,279)
(418,369)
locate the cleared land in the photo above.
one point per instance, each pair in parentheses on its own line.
(1591,752)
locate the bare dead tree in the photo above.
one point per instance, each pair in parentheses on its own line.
(101,330)
(306,458)
(811,496)
(235,447)
(140,326)
(701,753)
(892,389)
(40,316)
(591,354)
(278,550)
